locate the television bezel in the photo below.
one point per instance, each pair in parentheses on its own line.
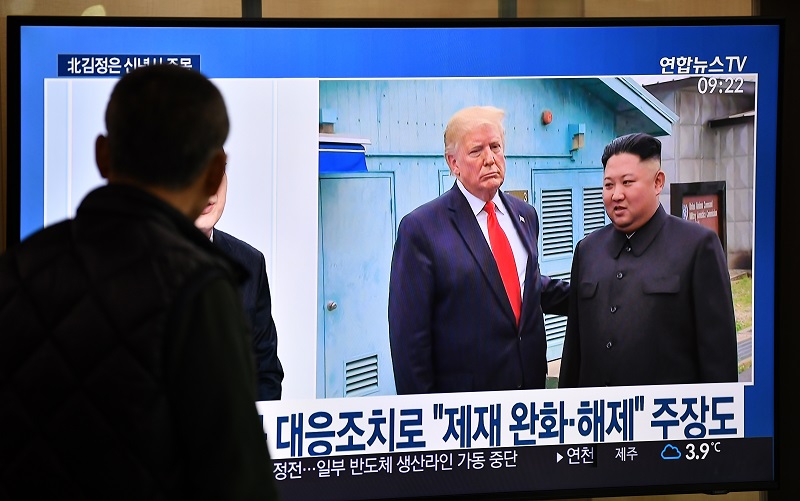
(13,167)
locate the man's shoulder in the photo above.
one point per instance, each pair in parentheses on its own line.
(687,230)
(40,247)
(43,236)
(425,212)
(448,200)
(236,246)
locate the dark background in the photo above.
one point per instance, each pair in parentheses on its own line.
(786,342)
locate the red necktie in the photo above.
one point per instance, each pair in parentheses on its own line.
(505,259)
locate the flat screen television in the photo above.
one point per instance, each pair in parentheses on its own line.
(337,134)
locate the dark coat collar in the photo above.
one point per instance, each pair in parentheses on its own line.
(643,237)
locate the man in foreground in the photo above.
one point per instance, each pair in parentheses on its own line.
(125,362)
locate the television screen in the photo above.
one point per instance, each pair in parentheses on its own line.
(337,135)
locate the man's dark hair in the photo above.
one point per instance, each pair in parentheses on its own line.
(164,122)
(642,145)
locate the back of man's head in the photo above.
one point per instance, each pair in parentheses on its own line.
(164,122)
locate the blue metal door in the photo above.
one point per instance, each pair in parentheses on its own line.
(356,240)
(570,206)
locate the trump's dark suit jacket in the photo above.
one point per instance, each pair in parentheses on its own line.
(258,305)
(451,326)
(655,309)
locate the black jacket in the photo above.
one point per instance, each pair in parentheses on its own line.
(653,309)
(125,362)
(258,306)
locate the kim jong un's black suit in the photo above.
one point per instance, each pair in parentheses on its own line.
(653,309)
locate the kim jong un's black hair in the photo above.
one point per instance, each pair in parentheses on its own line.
(642,145)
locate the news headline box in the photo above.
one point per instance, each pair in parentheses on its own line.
(487,420)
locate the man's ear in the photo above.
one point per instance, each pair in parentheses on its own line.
(102,156)
(660,179)
(451,162)
(215,171)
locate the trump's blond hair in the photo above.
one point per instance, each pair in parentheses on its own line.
(468,119)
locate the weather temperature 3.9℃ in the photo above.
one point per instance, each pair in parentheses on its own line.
(702,450)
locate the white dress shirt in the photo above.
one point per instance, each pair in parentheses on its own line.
(517,247)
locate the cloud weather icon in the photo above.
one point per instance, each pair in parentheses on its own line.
(670,452)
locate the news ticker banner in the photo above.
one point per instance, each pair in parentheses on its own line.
(503,419)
